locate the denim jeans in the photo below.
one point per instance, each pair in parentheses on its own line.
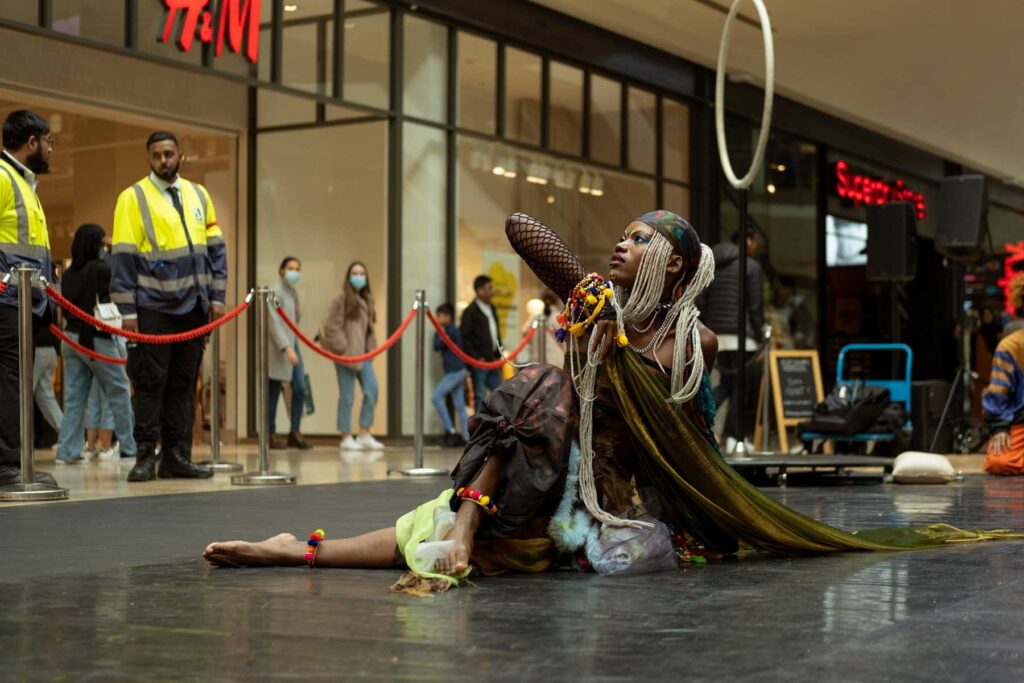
(484,382)
(79,372)
(298,395)
(44,364)
(347,395)
(453,383)
(97,411)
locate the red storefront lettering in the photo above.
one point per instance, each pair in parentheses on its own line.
(862,189)
(1013,265)
(238,19)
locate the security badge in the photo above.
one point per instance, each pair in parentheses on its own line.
(199,215)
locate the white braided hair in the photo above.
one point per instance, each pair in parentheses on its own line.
(640,303)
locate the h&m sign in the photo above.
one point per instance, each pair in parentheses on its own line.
(236,20)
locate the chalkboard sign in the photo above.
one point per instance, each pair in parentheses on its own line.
(795,387)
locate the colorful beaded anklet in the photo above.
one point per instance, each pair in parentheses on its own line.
(312,544)
(466,493)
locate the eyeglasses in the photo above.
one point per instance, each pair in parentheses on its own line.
(48,139)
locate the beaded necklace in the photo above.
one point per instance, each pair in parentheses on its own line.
(657,335)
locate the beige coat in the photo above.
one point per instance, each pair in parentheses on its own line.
(349,336)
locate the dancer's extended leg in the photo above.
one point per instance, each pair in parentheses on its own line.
(376,550)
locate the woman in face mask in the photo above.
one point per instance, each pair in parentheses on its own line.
(285,358)
(349,330)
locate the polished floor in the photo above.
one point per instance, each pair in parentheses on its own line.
(113,590)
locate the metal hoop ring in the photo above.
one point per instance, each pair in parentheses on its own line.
(769,93)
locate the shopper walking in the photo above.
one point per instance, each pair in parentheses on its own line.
(481,338)
(85,283)
(170,276)
(349,330)
(44,367)
(454,381)
(286,358)
(24,239)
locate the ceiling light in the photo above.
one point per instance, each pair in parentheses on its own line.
(551,199)
(586,182)
(510,174)
(771,188)
(563,178)
(350,24)
(291,8)
(510,164)
(597,188)
(538,174)
(498,170)
(781,168)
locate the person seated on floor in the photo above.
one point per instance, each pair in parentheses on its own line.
(591,468)
(1003,402)
(454,381)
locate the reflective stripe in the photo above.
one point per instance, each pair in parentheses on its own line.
(220,285)
(19,209)
(35,251)
(165,255)
(147,217)
(211,241)
(171,286)
(125,248)
(122,297)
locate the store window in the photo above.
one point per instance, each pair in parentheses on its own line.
(476,72)
(588,207)
(566,118)
(26,11)
(423,246)
(676,198)
(327,219)
(366,54)
(103,21)
(605,120)
(675,140)
(425,79)
(643,129)
(307,52)
(522,96)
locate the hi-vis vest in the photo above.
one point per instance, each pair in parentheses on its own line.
(162,261)
(23,235)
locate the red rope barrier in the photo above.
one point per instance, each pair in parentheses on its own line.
(482,365)
(388,343)
(141,337)
(81,349)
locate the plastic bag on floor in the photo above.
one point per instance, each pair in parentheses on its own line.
(624,550)
(430,551)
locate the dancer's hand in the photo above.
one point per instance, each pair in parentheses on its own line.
(998,443)
(606,333)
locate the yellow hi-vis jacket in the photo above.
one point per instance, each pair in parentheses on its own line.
(162,261)
(23,234)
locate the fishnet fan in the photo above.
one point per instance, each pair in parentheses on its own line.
(548,256)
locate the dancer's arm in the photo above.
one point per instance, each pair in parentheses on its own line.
(548,256)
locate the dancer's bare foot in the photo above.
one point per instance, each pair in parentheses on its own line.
(457,559)
(283,550)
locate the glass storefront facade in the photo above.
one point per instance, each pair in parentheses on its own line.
(403,138)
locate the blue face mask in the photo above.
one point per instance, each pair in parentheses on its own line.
(357,281)
(292,276)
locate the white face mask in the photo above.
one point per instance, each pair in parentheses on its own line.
(292,276)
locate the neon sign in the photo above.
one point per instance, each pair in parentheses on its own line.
(1012,264)
(237,19)
(863,189)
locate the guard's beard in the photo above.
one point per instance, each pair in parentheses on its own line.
(37,163)
(169,175)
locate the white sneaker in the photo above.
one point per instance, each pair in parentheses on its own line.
(112,453)
(730,444)
(89,453)
(369,443)
(350,444)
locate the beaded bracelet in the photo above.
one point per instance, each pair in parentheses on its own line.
(584,304)
(466,493)
(312,544)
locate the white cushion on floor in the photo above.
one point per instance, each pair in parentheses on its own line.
(915,467)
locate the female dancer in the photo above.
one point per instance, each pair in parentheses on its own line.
(560,462)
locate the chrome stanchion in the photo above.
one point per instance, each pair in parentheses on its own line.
(766,449)
(214,463)
(418,470)
(264,476)
(540,340)
(28,489)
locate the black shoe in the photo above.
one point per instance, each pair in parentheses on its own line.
(11,474)
(176,464)
(145,464)
(295,440)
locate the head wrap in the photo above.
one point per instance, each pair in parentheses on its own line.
(684,239)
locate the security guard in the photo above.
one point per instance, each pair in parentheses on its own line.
(169,276)
(23,239)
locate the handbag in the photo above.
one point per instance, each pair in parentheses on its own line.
(310,408)
(109,314)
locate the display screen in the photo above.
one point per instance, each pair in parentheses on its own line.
(846,242)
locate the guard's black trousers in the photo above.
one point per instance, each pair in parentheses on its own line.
(164,379)
(10,421)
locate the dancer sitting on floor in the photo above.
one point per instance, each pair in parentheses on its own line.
(1003,400)
(595,464)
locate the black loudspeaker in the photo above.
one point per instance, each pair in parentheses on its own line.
(963,212)
(892,242)
(927,400)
